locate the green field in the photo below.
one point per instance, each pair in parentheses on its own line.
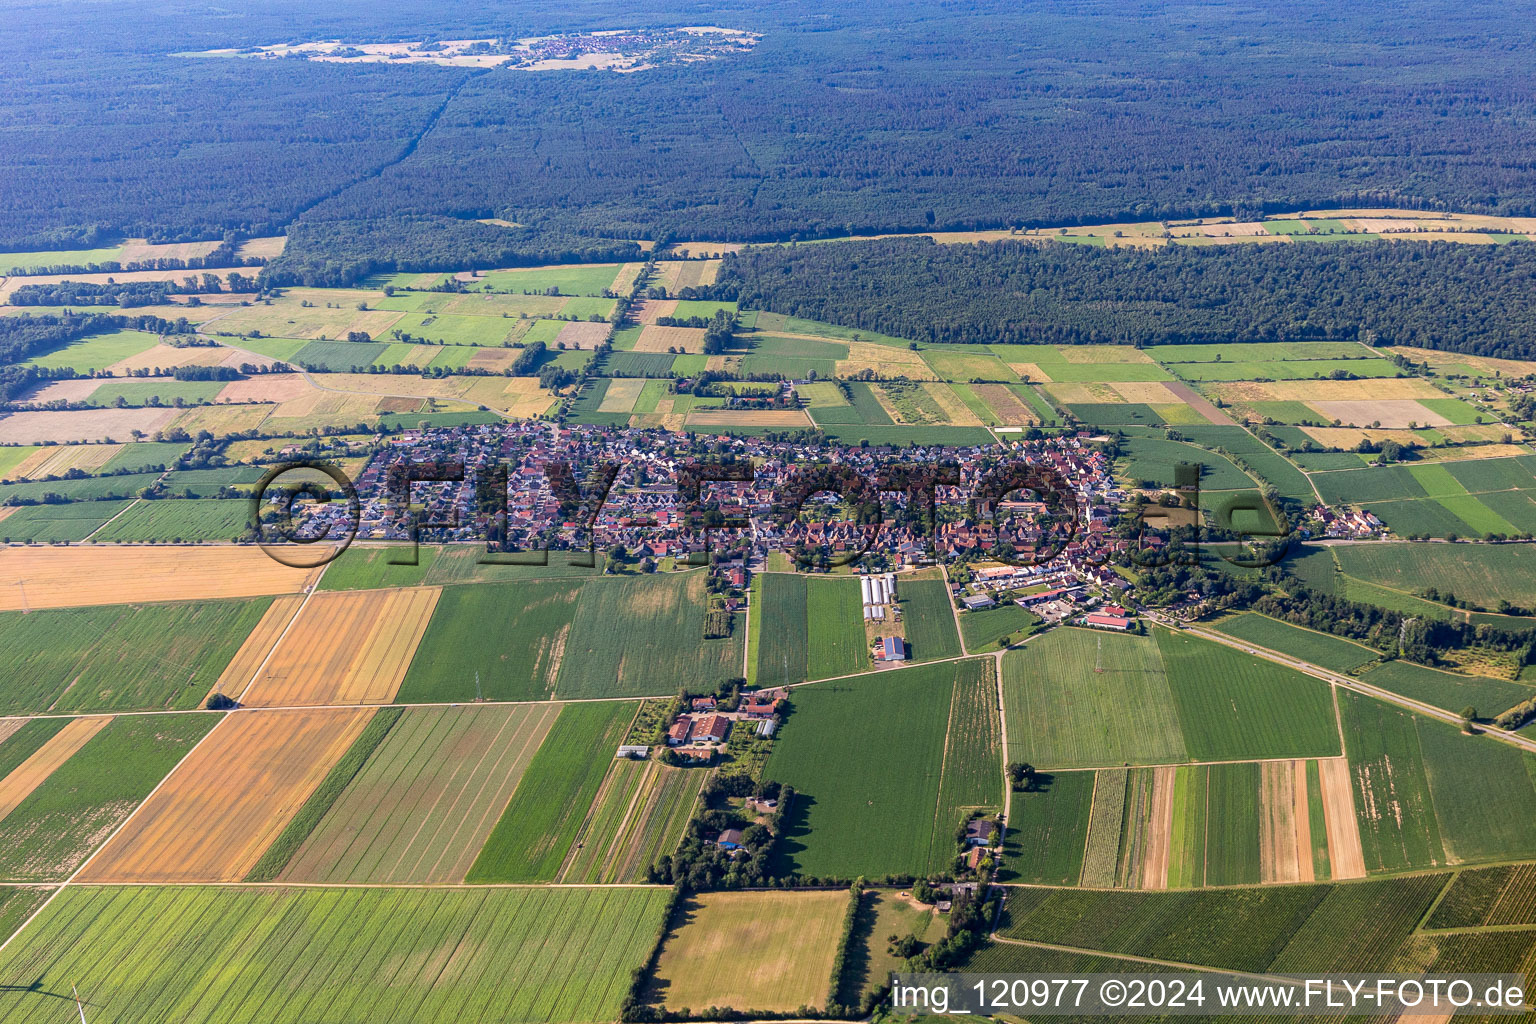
(96,352)
(1235,706)
(1481,574)
(180,519)
(1488,896)
(1317,648)
(48,524)
(639,817)
(1293,928)
(518,661)
(1154,458)
(780,636)
(1048,829)
(92,488)
(834,620)
(137,456)
(25,741)
(983,629)
(259,955)
(578,280)
(64,819)
(421,806)
(1077,698)
(1448,690)
(162,391)
(928,618)
(1232,794)
(866,756)
(120,657)
(545,815)
(662,642)
(1427,795)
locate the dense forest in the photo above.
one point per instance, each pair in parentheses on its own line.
(845,118)
(1464,298)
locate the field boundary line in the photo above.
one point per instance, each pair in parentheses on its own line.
(120,514)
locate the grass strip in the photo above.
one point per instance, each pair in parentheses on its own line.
(330,789)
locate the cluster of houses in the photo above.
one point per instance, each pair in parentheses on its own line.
(645,509)
(699,732)
(1349,524)
(1054,592)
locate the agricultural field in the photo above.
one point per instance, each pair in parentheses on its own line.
(638,818)
(883,913)
(1297,928)
(534,835)
(62,821)
(983,629)
(808,628)
(1411,776)
(423,803)
(75,577)
(47,524)
(176,521)
(229,799)
(769,952)
(860,809)
(663,641)
(350,647)
(1233,706)
(1077,698)
(1488,896)
(517,955)
(1048,830)
(523,661)
(1448,690)
(1318,648)
(1483,575)
(928,618)
(121,657)
(96,352)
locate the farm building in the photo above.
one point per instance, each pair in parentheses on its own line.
(979,832)
(976,602)
(730,839)
(1101,621)
(892,648)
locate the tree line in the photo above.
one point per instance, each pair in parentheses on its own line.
(1463,298)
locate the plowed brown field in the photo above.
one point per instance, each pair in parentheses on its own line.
(346,647)
(222,806)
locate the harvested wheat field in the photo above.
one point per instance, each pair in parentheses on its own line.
(1030,372)
(583,334)
(345,647)
(886,360)
(63,391)
(166,357)
(263,248)
(1159,835)
(28,775)
(766,951)
(104,574)
(422,806)
(651,310)
(621,394)
(663,339)
(237,675)
(1371,389)
(1346,858)
(271,387)
(218,811)
(1241,229)
(57,461)
(1389,413)
(81,425)
(955,411)
(1149,392)
(776,418)
(10,726)
(1285,834)
(1349,437)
